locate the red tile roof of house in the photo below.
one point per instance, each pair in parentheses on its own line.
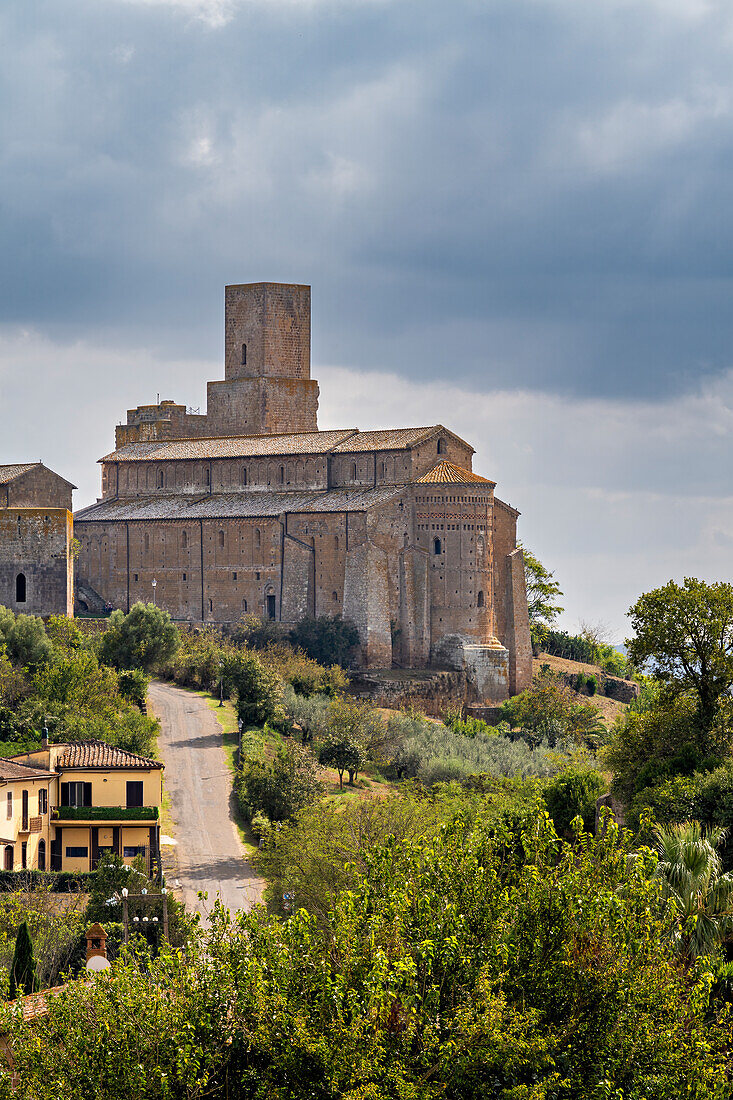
(98,754)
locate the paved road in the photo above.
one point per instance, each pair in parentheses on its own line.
(209,854)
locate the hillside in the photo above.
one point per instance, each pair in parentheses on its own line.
(609,708)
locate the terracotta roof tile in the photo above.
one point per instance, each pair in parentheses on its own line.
(98,754)
(10,769)
(449,472)
(10,472)
(241,505)
(313,443)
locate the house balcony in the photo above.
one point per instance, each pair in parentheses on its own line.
(106,815)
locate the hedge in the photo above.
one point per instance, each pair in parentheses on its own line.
(107,813)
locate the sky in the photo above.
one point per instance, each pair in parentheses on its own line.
(515,216)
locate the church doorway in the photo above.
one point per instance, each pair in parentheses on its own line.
(20,588)
(270,606)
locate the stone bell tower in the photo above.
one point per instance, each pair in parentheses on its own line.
(267,387)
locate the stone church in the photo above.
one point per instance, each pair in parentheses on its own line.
(250,508)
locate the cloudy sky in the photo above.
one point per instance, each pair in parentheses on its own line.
(515,216)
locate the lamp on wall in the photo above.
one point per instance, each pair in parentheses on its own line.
(155,585)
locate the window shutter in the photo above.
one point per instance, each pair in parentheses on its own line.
(87,794)
(64,794)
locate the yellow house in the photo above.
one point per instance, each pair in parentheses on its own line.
(64,806)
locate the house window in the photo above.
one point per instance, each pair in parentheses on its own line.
(244,355)
(24,854)
(24,825)
(221,540)
(10,805)
(184,539)
(76,794)
(130,851)
(20,588)
(41,855)
(134,793)
(77,853)
(42,802)
(437,548)
(9,857)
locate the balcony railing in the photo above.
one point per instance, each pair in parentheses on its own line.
(105,813)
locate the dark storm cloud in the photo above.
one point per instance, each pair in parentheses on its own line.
(528,194)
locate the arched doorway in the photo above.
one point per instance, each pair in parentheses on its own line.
(41,855)
(20,588)
(9,861)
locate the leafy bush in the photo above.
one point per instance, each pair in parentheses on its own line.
(133,686)
(25,639)
(257,632)
(327,640)
(280,789)
(144,638)
(573,793)
(548,710)
(468,727)
(258,689)
(592,685)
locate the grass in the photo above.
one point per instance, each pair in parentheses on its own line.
(226,716)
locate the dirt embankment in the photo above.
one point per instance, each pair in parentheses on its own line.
(609,708)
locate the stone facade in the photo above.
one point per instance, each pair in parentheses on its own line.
(251,509)
(36,533)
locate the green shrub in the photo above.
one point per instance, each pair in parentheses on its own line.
(573,793)
(330,641)
(133,685)
(580,682)
(279,789)
(258,689)
(592,685)
(144,638)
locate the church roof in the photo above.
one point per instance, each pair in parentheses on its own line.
(340,441)
(296,443)
(243,504)
(449,472)
(10,472)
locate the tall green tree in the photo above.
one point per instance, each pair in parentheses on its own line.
(542,594)
(143,638)
(23,969)
(684,633)
(692,872)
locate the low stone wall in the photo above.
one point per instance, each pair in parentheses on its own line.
(613,687)
(431,693)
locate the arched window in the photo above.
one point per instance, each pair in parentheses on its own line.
(184,539)
(41,855)
(9,857)
(160,479)
(221,539)
(244,605)
(441,446)
(208,476)
(244,475)
(147,541)
(282,475)
(353,471)
(480,599)
(382,469)
(211,605)
(258,537)
(20,588)
(437,548)
(334,596)
(244,355)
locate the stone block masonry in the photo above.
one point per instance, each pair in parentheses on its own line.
(256,511)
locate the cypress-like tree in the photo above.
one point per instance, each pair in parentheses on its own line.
(23,970)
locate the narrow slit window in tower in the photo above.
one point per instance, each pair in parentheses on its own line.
(480,599)
(244,355)
(436,546)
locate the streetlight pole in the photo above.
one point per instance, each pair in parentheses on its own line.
(155,585)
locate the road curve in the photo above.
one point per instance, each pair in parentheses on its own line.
(209,854)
